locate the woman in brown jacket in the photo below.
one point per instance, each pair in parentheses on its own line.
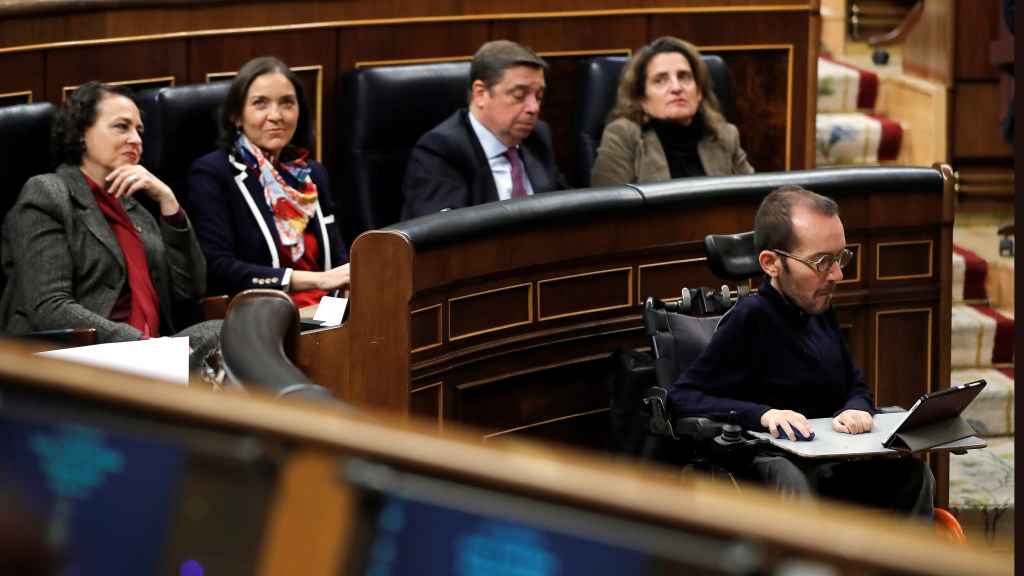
(666,123)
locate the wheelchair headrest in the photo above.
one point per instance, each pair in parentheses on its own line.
(732,256)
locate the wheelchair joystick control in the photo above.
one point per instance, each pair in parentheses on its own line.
(731,434)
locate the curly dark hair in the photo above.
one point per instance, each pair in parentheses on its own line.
(234,103)
(76,115)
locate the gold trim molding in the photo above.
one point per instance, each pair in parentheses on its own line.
(361,64)
(640,294)
(65,90)
(790,49)
(627,304)
(440,327)
(380,22)
(529,311)
(543,422)
(930,355)
(20,93)
(878,260)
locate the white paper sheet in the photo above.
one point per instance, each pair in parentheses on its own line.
(162,358)
(331,310)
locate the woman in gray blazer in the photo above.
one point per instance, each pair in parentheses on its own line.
(666,123)
(79,251)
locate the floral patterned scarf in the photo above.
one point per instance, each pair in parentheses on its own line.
(288,189)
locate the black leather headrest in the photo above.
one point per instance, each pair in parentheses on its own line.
(832,182)
(390,107)
(454,225)
(184,127)
(146,100)
(25,146)
(385,111)
(24,151)
(732,256)
(259,331)
(597,91)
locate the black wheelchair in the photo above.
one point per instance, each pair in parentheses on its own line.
(679,330)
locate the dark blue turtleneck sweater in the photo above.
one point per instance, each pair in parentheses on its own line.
(767,353)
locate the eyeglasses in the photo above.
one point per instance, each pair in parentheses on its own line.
(822,264)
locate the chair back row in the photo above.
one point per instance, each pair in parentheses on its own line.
(383,112)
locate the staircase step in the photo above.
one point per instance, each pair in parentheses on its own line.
(969,273)
(844,87)
(981,485)
(992,412)
(855,138)
(978,246)
(981,337)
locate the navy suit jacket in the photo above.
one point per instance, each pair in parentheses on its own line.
(448,169)
(236,227)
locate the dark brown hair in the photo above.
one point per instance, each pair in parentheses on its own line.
(773,224)
(234,104)
(633,83)
(76,115)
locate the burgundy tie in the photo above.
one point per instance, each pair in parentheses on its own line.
(518,185)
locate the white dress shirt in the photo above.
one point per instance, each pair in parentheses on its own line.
(501,169)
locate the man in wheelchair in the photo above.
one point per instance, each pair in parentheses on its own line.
(778,358)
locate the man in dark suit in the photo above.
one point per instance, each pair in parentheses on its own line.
(497,149)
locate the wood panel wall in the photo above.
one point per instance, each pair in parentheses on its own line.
(961,44)
(769,48)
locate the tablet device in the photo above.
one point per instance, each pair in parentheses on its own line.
(941,410)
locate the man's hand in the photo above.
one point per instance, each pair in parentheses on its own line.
(852,422)
(782,422)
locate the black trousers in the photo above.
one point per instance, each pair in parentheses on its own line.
(904,485)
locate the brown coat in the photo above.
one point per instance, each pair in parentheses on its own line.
(631,155)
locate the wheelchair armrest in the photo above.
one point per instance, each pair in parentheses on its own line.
(659,422)
(698,428)
(694,428)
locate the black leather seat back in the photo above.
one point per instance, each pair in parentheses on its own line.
(678,340)
(24,151)
(182,124)
(598,90)
(384,111)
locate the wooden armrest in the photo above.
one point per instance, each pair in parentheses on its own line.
(66,337)
(214,307)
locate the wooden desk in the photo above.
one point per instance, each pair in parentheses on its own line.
(510,329)
(313,509)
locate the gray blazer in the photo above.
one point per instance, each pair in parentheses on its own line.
(628,154)
(65,268)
